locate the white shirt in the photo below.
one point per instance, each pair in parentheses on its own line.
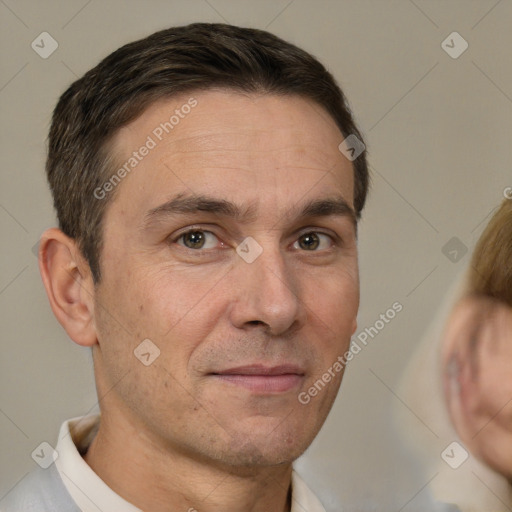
(91,494)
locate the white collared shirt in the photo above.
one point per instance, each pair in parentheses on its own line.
(91,494)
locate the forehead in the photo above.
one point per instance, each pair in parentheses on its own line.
(230,144)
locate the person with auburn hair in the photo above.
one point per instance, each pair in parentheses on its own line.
(477,349)
(459,382)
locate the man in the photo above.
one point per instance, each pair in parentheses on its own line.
(208,181)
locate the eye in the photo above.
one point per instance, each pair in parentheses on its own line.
(198,239)
(313,241)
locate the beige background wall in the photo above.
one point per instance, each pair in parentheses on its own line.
(438,131)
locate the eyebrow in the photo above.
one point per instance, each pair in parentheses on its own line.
(184,204)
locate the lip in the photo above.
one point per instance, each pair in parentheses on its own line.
(263,379)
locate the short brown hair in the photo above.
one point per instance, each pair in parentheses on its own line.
(176,60)
(490,273)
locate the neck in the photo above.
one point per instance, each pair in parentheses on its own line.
(151,476)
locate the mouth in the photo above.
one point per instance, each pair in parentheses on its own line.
(263,379)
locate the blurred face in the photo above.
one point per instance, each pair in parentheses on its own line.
(231,246)
(477,357)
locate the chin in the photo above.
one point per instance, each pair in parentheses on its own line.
(252,458)
(288,450)
(264,451)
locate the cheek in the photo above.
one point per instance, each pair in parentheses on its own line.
(162,298)
(183,302)
(495,369)
(178,309)
(334,299)
(332,312)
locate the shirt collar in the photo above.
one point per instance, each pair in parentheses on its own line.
(92,494)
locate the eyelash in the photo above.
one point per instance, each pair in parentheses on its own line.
(200,229)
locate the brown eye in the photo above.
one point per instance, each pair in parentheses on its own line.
(194,239)
(309,242)
(198,239)
(313,241)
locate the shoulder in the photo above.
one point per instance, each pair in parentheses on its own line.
(39,491)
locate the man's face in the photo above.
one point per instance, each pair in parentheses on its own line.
(239,336)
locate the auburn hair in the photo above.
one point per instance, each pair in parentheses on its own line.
(490,272)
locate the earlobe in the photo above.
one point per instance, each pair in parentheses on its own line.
(68,283)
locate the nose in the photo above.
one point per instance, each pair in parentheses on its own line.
(268,294)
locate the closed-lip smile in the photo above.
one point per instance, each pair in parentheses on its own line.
(261,378)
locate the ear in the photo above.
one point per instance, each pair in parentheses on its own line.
(477,356)
(69,285)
